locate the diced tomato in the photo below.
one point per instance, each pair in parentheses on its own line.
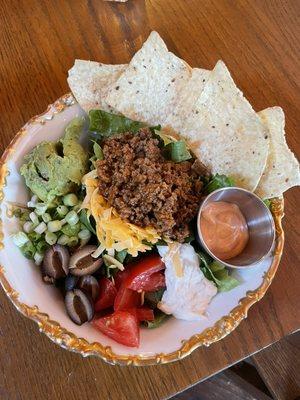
(152,282)
(122,326)
(121,276)
(141,270)
(126,299)
(145,314)
(107,294)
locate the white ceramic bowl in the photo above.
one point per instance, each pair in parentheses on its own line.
(22,282)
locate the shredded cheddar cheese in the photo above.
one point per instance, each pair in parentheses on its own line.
(114,233)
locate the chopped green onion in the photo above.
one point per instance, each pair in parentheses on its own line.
(72,218)
(50,238)
(54,226)
(62,211)
(20,239)
(34,218)
(72,241)
(111,252)
(40,208)
(34,236)
(32,202)
(28,227)
(110,261)
(77,207)
(23,215)
(38,258)
(42,246)
(28,250)
(46,217)
(85,234)
(41,228)
(71,230)
(63,240)
(70,200)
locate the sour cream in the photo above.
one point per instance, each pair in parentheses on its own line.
(224,229)
(188,292)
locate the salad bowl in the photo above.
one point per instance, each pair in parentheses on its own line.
(22,283)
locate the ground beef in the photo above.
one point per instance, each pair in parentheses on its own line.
(146,189)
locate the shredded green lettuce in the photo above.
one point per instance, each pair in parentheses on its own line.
(166,139)
(105,124)
(216,272)
(87,220)
(177,151)
(218,182)
(159,318)
(98,152)
(153,298)
(121,255)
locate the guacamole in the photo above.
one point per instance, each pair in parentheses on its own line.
(55,169)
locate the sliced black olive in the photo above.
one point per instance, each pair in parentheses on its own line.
(82,263)
(79,306)
(89,285)
(56,260)
(71,282)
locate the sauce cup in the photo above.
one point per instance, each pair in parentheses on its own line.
(259,220)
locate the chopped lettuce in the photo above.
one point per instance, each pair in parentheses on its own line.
(106,124)
(166,139)
(218,182)
(153,298)
(87,220)
(159,318)
(98,152)
(177,151)
(121,255)
(216,272)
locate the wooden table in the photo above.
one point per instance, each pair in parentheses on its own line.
(259,42)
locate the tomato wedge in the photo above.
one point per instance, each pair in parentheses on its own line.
(145,314)
(126,299)
(153,282)
(121,276)
(122,326)
(107,294)
(141,270)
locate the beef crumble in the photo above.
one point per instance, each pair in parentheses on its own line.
(146,189)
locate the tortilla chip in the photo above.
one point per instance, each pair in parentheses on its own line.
(282,169)
(148,89)
(187,98)
(90,82)
(224,131)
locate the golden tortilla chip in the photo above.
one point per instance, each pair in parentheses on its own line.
(149,87)
(282,169)
(224,131)
(90,82)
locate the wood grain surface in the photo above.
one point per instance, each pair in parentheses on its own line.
(39,39)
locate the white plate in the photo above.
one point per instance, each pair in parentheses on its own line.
(22,282)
